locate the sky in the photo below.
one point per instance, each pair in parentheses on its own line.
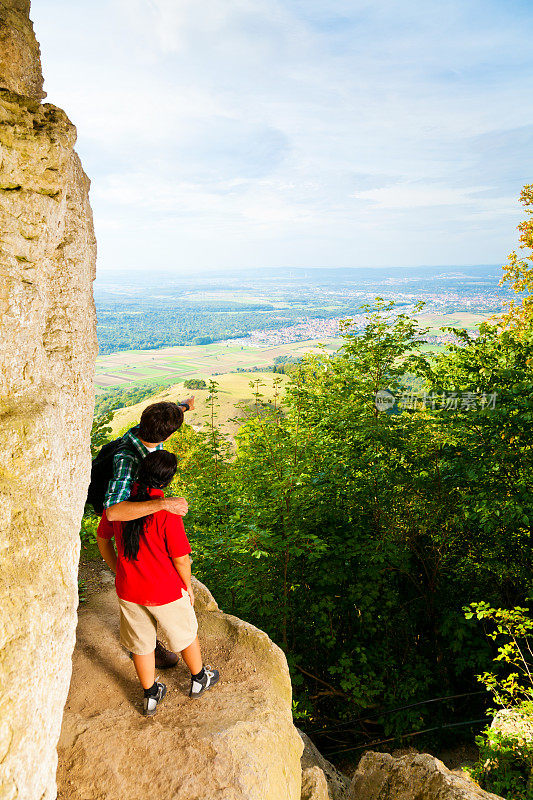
(223,134)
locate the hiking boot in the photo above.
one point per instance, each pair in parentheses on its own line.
(211,677)
(164,658)
(150,703)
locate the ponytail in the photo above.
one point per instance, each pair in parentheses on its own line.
(156,471)
(131,532)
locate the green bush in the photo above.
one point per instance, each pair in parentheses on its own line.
(505,765)
(505,760)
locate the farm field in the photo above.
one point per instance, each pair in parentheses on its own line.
(192,361)
(173,364)
(460,319)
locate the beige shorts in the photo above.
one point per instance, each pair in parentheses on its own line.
(139,625)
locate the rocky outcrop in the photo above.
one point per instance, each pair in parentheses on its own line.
(314,763)
(48,347)
(236,742)
(20,62)
(418,776)
(515,723)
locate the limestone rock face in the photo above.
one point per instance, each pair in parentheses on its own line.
(20,63)
(47,352)
(418,776)
(235,742)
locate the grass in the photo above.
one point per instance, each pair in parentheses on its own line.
(234,388)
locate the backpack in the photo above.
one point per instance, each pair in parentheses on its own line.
(102,472)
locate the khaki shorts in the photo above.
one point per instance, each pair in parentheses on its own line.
(139,625)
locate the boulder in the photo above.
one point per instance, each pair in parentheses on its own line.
(235,742)
(337,783)
(418,776)
(314,784)
(515,723)
(47,352)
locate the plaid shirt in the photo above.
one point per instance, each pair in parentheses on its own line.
(125,468)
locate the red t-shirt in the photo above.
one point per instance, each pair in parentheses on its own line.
(151,580)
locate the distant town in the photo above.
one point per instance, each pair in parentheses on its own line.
(250,310)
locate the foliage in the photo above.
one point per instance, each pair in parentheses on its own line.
(82,591)
(505,765)
(518,272)
(512,630)
(286,364)
(505,762)
(89,524)
(123,396)
(195,383)
(101,432)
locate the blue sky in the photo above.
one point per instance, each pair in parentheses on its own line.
(268,133)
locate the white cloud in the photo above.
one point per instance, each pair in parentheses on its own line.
(408,196)
(300,121)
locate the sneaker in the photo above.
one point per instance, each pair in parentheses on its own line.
(150,703)
(211,677)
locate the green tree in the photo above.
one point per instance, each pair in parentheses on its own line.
(101,432)
(518,272)
(364,532)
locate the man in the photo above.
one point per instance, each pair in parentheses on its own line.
(158,422)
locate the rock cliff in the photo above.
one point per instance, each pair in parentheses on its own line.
(236,742)
(48,347)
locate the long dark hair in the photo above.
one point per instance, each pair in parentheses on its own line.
(156,471)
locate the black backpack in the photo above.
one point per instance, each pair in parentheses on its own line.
(102,472)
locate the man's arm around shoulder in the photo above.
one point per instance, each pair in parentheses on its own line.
(128,509)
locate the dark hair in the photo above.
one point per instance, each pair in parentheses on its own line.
(158,421)
(156,471)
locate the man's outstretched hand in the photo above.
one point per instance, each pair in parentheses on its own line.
(176,505)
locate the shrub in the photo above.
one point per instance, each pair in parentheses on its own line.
(195,383)
(505,764)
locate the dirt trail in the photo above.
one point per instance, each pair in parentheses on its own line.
(236,742)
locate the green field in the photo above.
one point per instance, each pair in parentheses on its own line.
(201,361)
(461,319)
(173,364)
